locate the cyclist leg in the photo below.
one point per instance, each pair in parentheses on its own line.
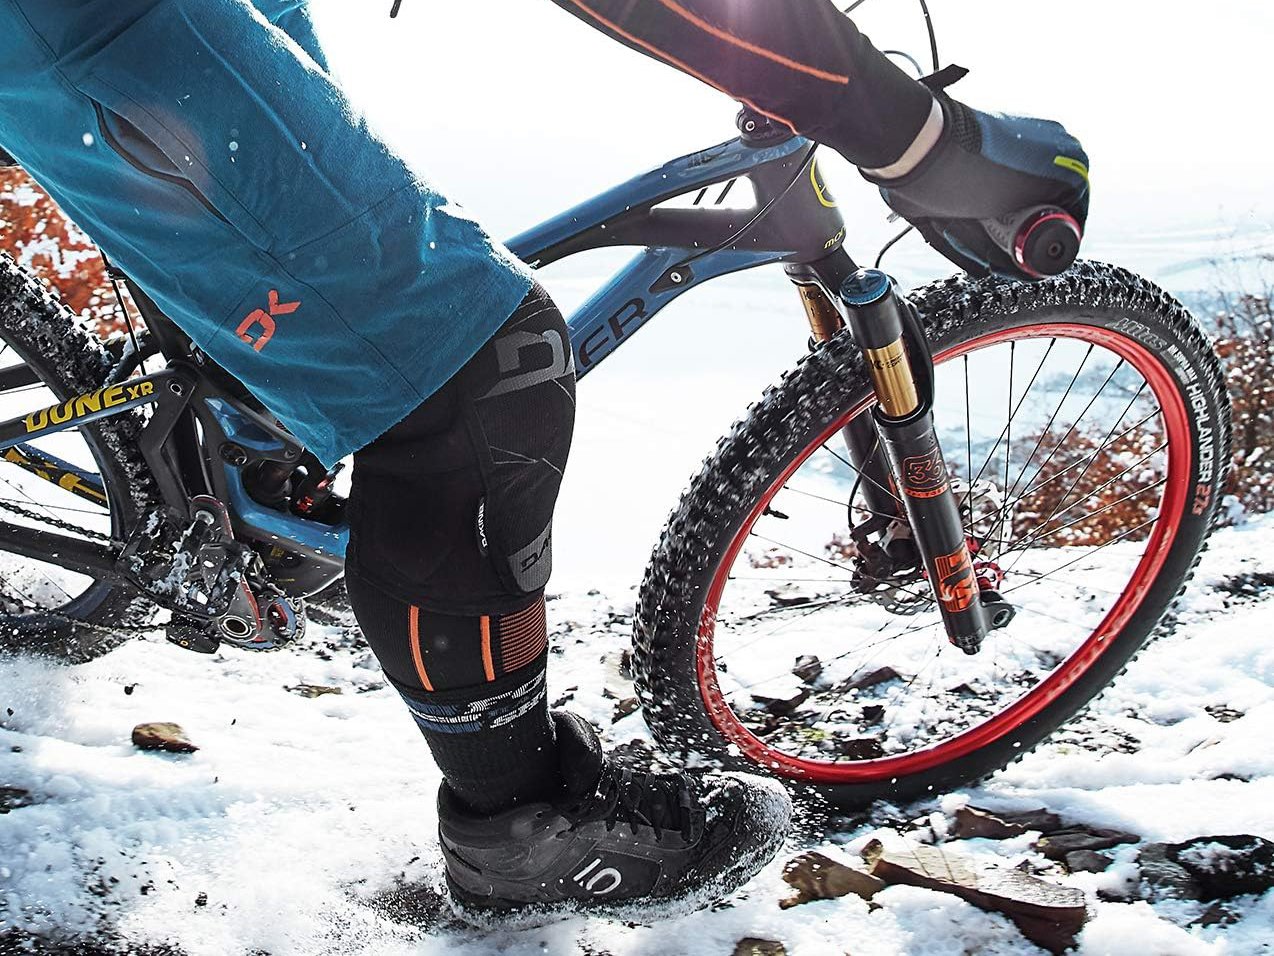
(239,189)
(450,550)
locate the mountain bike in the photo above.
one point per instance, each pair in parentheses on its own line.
(933,542)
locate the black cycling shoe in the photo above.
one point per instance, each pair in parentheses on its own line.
(617,842)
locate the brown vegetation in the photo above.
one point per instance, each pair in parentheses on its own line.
(1245,342)
(34,232)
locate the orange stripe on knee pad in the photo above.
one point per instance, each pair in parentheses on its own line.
(413,617)
(679,64)
(488,666)
(743,44)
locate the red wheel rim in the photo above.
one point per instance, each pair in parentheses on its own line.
(1176,487)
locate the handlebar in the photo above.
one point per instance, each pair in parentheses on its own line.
(1043,241)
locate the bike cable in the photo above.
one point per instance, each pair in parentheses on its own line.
(760,214)
(933,35)
(937,65)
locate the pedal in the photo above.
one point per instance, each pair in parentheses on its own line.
(216,588)
(193,635)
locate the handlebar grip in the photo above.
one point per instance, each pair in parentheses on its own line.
(1043,241)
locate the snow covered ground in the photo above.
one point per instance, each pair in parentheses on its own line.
(297,816)
(283,834)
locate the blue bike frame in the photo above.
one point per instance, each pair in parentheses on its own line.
(682,248)
(794,221)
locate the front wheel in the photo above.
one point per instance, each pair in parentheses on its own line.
(1086,424)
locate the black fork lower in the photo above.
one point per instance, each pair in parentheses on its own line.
(901,427)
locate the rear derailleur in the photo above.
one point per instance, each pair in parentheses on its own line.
(216,588)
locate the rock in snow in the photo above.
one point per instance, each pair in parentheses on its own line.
(160,736)
(1209,868)
(782,706)
(313,690)
(1049,915)
(1087,861)
(1058,844)
(11,798)
(817,877)
(808,668)
(972,822)
(751,946)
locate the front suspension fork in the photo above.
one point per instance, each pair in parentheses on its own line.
(902,426)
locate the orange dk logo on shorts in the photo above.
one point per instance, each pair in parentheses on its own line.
(266,320)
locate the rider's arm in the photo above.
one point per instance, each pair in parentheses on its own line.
(802,62)
(947,169)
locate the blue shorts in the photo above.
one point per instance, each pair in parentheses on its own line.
(204,147)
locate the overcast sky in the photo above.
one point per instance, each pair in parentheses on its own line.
(519,110)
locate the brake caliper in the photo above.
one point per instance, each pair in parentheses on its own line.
(216,588)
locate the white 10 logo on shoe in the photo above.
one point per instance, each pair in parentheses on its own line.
(600,883)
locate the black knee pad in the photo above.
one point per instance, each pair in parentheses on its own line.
(452,509)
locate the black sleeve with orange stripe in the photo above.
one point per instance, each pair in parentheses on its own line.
(802,62)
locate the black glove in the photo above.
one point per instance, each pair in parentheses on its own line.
(987,167)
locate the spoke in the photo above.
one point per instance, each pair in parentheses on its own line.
(47,577)
(1010,545)
(1008,448)
(762,578)
(1106,443)
(1008,494)
(1012,415)
(815,557)
(768,634)
(79,511)
(22,389)
(45,508)
(1110,481)
(812,557)
(1085,556)
(1048,579)
(853,650)
(1071,467)
(1031,541)
(932,661)
(821,601)
(1052,617)
(1071,429)
(839,504)
(968,424)
(1080,477)
(850,465)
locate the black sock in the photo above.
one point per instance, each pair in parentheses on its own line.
(494,743)
(476,689)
